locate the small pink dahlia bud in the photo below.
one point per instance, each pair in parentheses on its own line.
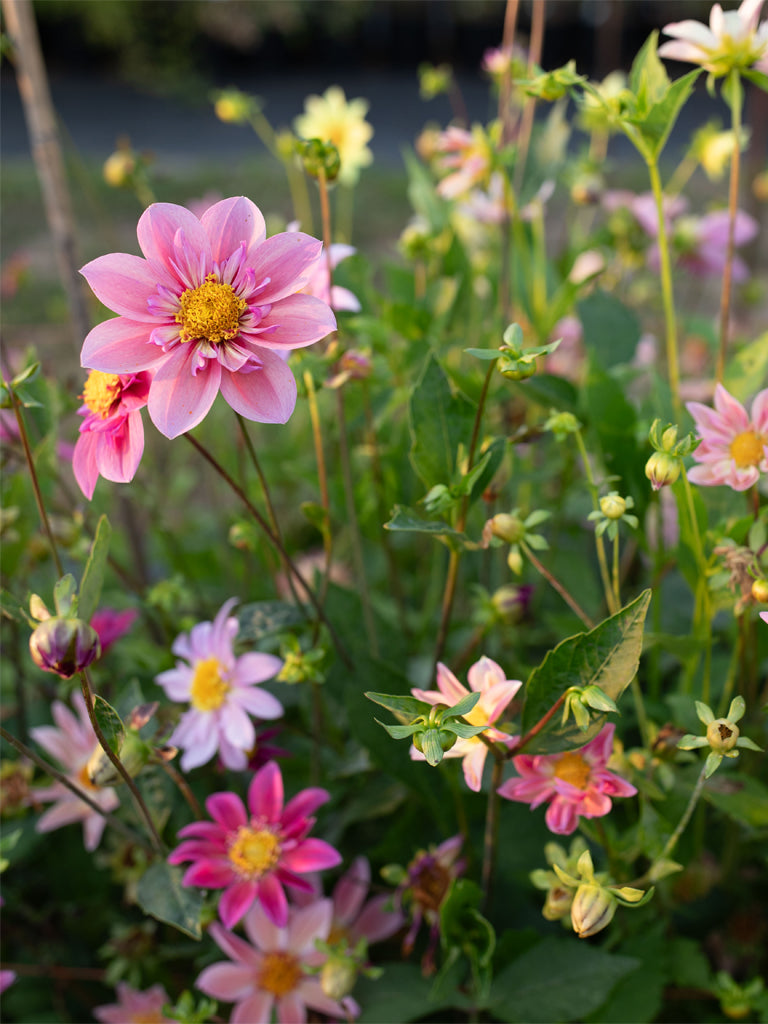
(64,646)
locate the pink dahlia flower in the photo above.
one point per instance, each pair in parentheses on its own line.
(252,855)
(496,691)
(215,305)
(428,881)
(734,39)
(734,446)
(576,784)
(111,625)
(111,440)
(71,742)
(467,155)
(337,297)
(134,1007)
(7,978)
(222,690)
(704,241)
(272,970)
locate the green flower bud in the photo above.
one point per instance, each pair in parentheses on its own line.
(338,977)
(613,506)
(445,738)
(516,369)
(760,591)
(232,106)
(722,735)
(508,528)
(558,903)
(319,158)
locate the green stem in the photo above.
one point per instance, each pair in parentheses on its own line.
(735,100)
(599,543)
(54,773)
(183,786)
(33,476)
(536,729)
(558,586)
(490,837)
(697,789)
(85,686)
(212,461)
(667,295)
(615,576)
(702,613)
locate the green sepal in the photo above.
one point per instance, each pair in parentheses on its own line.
(65,596)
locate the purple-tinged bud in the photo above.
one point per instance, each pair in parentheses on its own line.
(64,646)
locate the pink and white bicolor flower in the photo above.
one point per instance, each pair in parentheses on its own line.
(575,784)
(496,691)
(734,444)
(272,970)
(734,39)
(222,690)
(252,853)
(135,1007)
(214,305)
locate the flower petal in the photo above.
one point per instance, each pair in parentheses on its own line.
(236,901)
(158,232)
(178,398)
(298,320)
(265,395)
(287,260)
(265,793)
(232,222)
(120,345)
(125,283)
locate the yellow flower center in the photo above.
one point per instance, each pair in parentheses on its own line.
(254,851)
(84,779)
(101,391)
(574,769)
(208,690)
(747,448)
(280,973)
(210,313)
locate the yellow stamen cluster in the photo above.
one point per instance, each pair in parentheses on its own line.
(747,448)
(210,312)
(572,768)
(208,690)
(279,973)
(101,392)
(254,851)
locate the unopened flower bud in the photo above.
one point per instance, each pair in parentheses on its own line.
(722,735)
(592,910)
(662,469)
(232,107)
(507,527)
(338,976)
(558,903)
(516,369)
(515,561)
(118,168)
(669,438)
(510,602)
(64,646)
(760,591)
(613,506)
(445,738)
(319,157)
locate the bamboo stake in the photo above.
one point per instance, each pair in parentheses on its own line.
(46,153)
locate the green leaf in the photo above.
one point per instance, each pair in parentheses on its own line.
(160,894)
(406,520)
(611,329)
(741,797)
(93,575)
(439,421)
(660,120)
(606,657)
(65,596)
(401,994)
(557,980)
(648,77)
(110,723)
(462,924)
(410,706)
(639,994)
(463,706)
(12,608)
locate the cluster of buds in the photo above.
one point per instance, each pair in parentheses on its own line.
(581,700)
(613,510)
(62,643)
(511,529)
(300,666)
(319,159)
(554,85)
(663,467)
(589,898)
(562,424)
(433,728)
(722,736)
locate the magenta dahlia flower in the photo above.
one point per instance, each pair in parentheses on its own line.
(496,691)
(111,625)
(576,784)
(111,440)
(135,1007)
(215,305)
(252,855)
(277,969)
(734,445)
(71,741)
(222,690)
(353,917)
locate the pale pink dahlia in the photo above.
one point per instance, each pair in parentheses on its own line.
(135,1007)
(111,440)
(734,446)
(576,784)
(733,39)
(222,690)
(215,305)
(353,918)
(496,691)
(272,970)
(252,855)
(71,742)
